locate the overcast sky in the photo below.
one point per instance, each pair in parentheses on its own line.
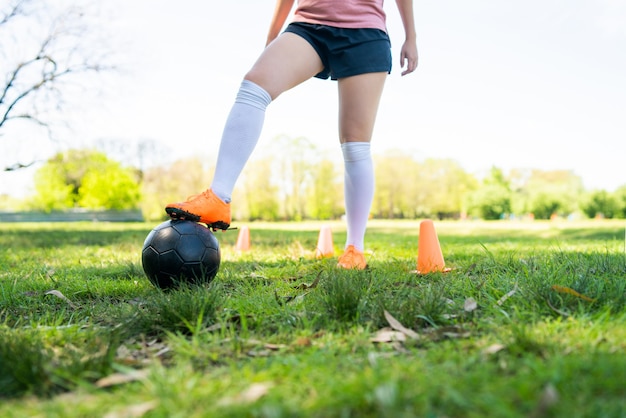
(535,84)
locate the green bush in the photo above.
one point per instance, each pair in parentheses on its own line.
(490,202)
(602,203)
(87,179)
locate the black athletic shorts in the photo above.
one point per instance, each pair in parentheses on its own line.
(346,52)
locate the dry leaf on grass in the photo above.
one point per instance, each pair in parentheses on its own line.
(274,347)
(387,335)
(508,295)
(494,348)
(61,296)
(395,324)
(265,351)
(569,291)
(306,286)
(303,342)
(470,305)
(255,392)
(257,276)
(121,378)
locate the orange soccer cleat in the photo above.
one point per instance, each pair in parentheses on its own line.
(352,259)
(205,207)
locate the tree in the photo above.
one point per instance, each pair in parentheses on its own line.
(398,193)
(113,188)
(84,178)
(406,188)
(141,153)
(545,204)
(293,162)
(325,194)
(53,192)
(172,183)
(517,180)
(601,203)
(493,199)
(257,192)
(446,185)
(552,192)
(46,53)
(490,202)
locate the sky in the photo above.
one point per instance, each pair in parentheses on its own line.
(539,84)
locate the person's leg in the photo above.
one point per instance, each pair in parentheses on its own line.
(285,63)
(359,97)
(239,138)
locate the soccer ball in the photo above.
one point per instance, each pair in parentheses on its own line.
(180,252)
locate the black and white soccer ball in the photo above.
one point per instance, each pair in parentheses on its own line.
(178,252)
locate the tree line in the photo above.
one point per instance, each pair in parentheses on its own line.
(292,180)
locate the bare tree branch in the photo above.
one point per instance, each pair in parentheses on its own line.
(18,166)
(38,84)
(14,10)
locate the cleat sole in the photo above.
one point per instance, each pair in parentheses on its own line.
(182,215)
(219,225)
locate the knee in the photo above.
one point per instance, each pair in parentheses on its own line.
(356,151)
(262,80)
(253,94)
(354,131)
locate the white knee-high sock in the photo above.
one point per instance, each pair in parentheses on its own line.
(241,134)
(358,189)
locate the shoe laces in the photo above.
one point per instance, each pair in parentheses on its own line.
(206,194)
(351,253)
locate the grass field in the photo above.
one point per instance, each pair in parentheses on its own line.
(530,322)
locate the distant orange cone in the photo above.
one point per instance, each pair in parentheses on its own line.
(243,239)
(325,246)
(429,255)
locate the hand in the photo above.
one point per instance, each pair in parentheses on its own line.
(408,56)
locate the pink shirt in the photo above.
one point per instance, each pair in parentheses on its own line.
(351,14)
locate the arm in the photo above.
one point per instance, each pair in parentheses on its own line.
(408,53)
(281,11)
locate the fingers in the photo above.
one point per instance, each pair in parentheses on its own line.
(411,63)
(411,66)
(408,57)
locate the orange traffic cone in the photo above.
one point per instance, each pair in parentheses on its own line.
(243,239)
(429,256)
(325,246)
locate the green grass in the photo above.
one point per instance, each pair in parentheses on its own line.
(530,322)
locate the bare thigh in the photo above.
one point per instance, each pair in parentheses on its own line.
(288,61)
(359,97)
